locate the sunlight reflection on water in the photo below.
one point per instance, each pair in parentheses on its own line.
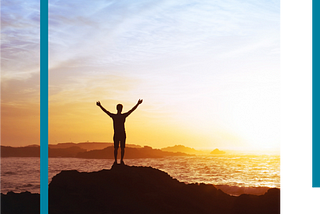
(249,171)
(22,174)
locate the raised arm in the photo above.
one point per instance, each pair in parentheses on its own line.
(134,107)
(103,109)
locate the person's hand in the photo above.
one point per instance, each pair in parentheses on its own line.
(98,103)
(140,101)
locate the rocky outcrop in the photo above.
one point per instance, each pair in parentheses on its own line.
(131,189)
(20,203)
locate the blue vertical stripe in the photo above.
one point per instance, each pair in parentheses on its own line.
(43,106)
(315,95)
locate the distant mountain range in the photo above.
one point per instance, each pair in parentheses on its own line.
(98,150)
(27,151)
(88,145)
(145,152)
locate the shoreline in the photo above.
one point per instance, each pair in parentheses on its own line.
(137,189)
(230,190)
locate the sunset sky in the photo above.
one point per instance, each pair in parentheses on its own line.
(20,72)
(208,72)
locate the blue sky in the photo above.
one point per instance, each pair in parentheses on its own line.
(19,39)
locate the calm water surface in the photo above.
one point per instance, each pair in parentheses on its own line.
(247,171)
(20,174)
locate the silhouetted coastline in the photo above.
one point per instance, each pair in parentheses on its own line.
(132,189)
(86,149)
(73,151)
(145,152)
(26,151)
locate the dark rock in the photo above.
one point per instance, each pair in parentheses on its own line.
(131,189)
(20,203)
(264,204)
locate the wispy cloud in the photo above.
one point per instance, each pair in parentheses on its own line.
(20,53)
(20,42)
(124,32)
(20,56)
(180,56)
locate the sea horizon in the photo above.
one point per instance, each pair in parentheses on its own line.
(234,174)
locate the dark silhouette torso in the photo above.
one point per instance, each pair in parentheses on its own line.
(118,124)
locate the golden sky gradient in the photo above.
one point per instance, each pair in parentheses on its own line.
(20,73)
(209,73)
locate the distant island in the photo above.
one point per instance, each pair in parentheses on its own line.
(217,152)
(101,150)
(188,150)
(184,149)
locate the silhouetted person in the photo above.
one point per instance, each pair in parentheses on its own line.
(119,136)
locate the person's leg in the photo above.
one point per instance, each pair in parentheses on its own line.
(116,146)
(122,144)
(122,155)
(115,154)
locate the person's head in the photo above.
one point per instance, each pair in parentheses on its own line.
(119,108)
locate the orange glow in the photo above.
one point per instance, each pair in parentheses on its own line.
(86,122)
(20,124)
(209,80)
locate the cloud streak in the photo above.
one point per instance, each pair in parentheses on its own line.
(122,32)
(20,32)
(20,28)
(183,57)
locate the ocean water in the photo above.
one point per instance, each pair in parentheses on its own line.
(233,174)
(20,174)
